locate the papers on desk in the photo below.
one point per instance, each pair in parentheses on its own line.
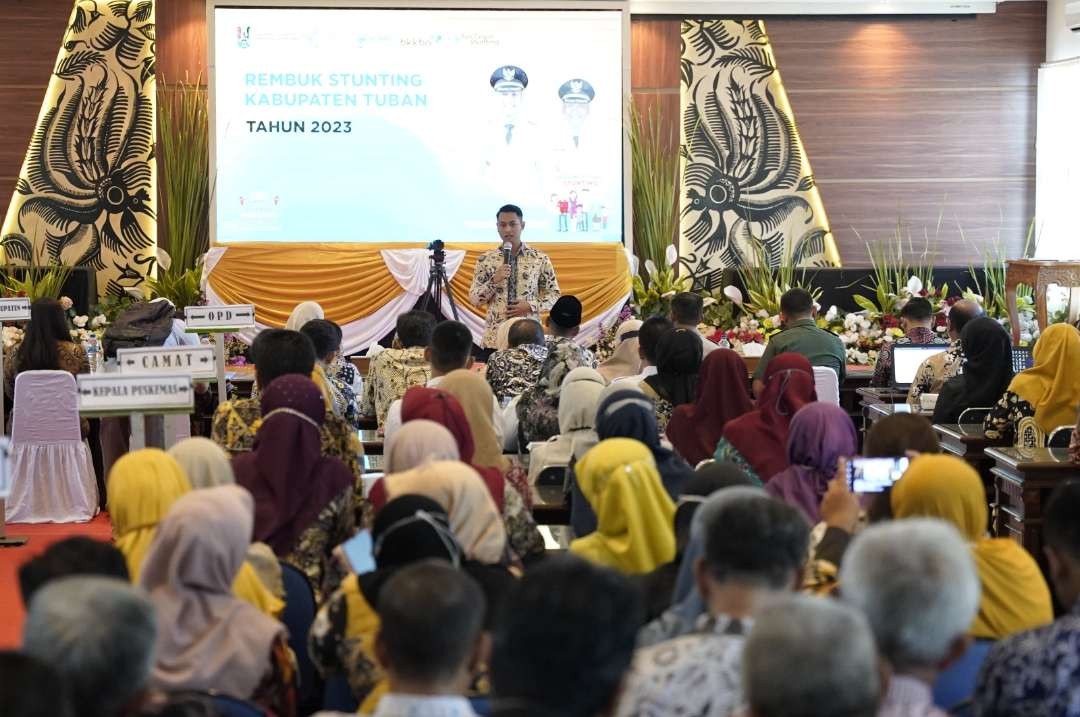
(928,401)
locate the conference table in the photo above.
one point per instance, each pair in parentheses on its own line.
(1024,478)
(874,412)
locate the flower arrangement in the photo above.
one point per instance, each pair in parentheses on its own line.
(653,293)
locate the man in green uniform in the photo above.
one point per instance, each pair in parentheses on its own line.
(802,336)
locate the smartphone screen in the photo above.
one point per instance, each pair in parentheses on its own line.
(873,475)
(359,552)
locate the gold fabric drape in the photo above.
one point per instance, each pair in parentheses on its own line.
(351,281)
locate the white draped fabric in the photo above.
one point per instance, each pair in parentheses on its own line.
(411,269)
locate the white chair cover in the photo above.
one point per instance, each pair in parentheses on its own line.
(827,384)
(52,478)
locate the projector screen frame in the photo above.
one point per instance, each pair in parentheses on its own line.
(621,6)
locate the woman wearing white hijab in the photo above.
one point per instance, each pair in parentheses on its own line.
(581,391)
(304,312)
(625,361)
(418,442)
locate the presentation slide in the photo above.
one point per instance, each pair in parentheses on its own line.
(365,125)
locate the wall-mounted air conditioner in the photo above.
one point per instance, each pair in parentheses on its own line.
(819,7)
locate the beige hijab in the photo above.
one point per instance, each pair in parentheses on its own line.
(204,462)
(474,519)
(475,396)
(625,361)
(304,312)
(207,639)
(502,333)
(418,442)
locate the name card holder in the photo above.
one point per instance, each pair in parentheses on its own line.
(135,395)
(198,361)
(219,320)
(11,309)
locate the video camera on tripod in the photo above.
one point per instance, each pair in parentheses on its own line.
(437,280)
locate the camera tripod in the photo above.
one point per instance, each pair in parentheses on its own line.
(437,282)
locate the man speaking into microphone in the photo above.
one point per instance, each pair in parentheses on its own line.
(514,281)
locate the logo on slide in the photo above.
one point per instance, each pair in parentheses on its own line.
(243,36)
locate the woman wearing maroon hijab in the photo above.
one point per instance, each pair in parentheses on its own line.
(510,496)
(303,499)
(757,442)
(696,428)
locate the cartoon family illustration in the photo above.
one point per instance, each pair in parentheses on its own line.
(580,211)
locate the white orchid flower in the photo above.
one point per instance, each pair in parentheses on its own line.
(650,267)
(762,314)
(707,301)
(80,321)
(832,313)
(914,285)
(98,321)
(733,293)
(671,255)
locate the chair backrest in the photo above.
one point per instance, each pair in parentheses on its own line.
(232,707)
(975,414)
(1060,437)
(956,684)
(827,385)
(46,408)
(298,615)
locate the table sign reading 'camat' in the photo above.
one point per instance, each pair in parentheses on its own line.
(198,361)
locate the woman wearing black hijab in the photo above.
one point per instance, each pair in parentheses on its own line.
(678,361)
(987,371)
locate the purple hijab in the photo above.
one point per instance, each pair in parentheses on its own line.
(819,435)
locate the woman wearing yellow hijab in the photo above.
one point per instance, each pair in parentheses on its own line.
(633,511)
(1015,596)
(142,487)
(1048,392)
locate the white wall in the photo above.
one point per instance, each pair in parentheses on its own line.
(1061,44)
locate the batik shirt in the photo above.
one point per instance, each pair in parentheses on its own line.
(699,674)
(920,335)
(391,373)
(512,371)
(935,371)
(1000,423)
(532,279)
(1033,673)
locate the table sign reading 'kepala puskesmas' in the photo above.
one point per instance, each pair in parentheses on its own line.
(113,393)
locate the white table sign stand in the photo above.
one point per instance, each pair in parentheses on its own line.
(218,321)
(6,541)
(135,395)
(13,309)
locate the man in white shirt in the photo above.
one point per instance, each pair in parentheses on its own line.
(916,582)
(431,641)
(755,548)
(648,336)
(687,312)
(450,350)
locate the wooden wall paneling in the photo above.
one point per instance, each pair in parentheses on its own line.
(655,50)
(182,41)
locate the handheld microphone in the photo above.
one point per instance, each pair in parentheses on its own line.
(506,247)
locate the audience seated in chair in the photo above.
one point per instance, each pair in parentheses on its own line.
(207,638)
(512,370)
(326,338)
(678,362)
(801,335)
(303,498)
(625,360)
(688,312)
(1036,672)
(564,641)
(282,353)
(810,657)
(939,368)
(72,556)
(695,428)
(30,687)
(987,352)
(649,335)
(1046,394)
(407,530)
(577,424)
(916,583)
(754,547)
(392,371)
(917,323)
(450,350)
(99,634)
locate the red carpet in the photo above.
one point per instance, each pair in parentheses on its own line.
(41,536)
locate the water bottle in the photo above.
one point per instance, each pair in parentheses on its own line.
(93,353)
(724,343)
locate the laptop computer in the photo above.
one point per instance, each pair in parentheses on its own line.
(906,361)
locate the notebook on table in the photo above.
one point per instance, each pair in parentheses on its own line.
(906,361)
